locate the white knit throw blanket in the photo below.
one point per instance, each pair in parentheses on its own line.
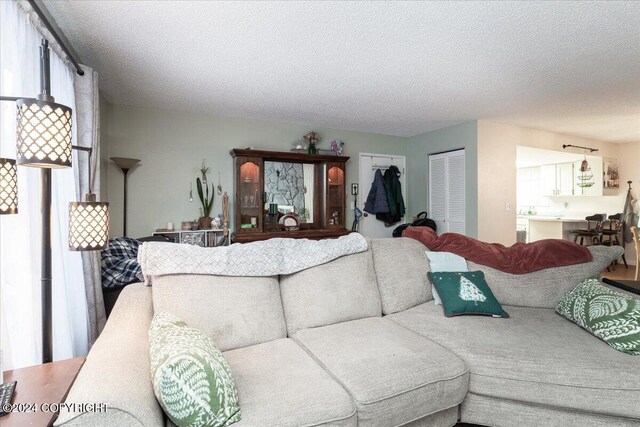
(266,258)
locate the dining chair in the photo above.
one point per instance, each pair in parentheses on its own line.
(611,234)
(593,232)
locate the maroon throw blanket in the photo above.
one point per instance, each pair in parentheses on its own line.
(520,258)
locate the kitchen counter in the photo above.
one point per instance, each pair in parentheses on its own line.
(541,227)
(554,219)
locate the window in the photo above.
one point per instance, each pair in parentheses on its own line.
(20,235)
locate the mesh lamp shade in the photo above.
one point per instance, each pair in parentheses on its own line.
(43,134)
(88,224)
(8,186)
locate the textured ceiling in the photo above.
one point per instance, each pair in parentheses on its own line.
(385,67)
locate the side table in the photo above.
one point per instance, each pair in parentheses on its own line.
(48,384)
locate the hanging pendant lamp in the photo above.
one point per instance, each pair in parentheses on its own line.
(88,224)
(8,187)
(88,219)
(43,133)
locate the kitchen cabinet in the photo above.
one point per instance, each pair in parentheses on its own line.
(557,179)
(564,179)
(548,180)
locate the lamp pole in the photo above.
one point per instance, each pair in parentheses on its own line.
(45,203)
(124,224)
(125,164)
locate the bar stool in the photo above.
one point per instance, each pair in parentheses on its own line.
(616,225)
(593,231)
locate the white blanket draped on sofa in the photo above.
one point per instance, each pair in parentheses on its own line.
(266,258)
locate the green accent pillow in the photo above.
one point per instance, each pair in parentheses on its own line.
(191,379)
(609,315)
(466,293)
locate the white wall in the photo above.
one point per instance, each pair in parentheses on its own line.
(172,145)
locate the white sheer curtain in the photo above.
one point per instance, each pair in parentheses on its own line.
(20,234)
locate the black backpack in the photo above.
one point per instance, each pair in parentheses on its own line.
(421,221)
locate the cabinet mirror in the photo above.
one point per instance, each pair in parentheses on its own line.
(290,186)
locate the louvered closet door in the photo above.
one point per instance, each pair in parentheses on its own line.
(456,204)
(447,202)
(438,191)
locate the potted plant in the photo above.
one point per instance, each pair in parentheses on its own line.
(205,218)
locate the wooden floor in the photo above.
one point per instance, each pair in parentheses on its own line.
(619,272)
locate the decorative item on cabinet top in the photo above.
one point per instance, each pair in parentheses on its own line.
(309,144)
(272,184)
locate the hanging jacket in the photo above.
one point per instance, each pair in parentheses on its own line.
(377,198)
(393,190)
(629,217)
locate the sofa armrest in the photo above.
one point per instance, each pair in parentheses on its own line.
(117,370)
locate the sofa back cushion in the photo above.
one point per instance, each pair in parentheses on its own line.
(401,267)
(233,311)
(341,290)
(544,288)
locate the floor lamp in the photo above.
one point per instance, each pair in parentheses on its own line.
(44,140)
(125,164)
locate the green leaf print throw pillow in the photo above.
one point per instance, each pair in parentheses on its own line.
(191,379)
(612,316)
(466,293)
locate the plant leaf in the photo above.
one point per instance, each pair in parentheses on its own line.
(211,201)
(199,188)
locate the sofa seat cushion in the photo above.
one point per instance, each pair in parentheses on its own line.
(279,384)
(536,356)
(394,375)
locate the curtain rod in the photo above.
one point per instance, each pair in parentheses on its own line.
(580,147)
(44,17)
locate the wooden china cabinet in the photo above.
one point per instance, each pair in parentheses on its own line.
(272,187)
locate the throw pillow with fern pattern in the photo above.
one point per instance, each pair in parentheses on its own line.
(612,316)
(191,379)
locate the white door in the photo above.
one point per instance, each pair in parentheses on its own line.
(369,163)
(447,203)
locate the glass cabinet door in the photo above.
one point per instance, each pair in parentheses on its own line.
(249,197)
(335,196)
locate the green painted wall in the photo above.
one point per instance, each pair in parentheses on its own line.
(464,135)
(172,145)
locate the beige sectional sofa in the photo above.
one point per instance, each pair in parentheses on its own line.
(358,341)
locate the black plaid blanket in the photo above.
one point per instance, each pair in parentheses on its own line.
(120,263)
